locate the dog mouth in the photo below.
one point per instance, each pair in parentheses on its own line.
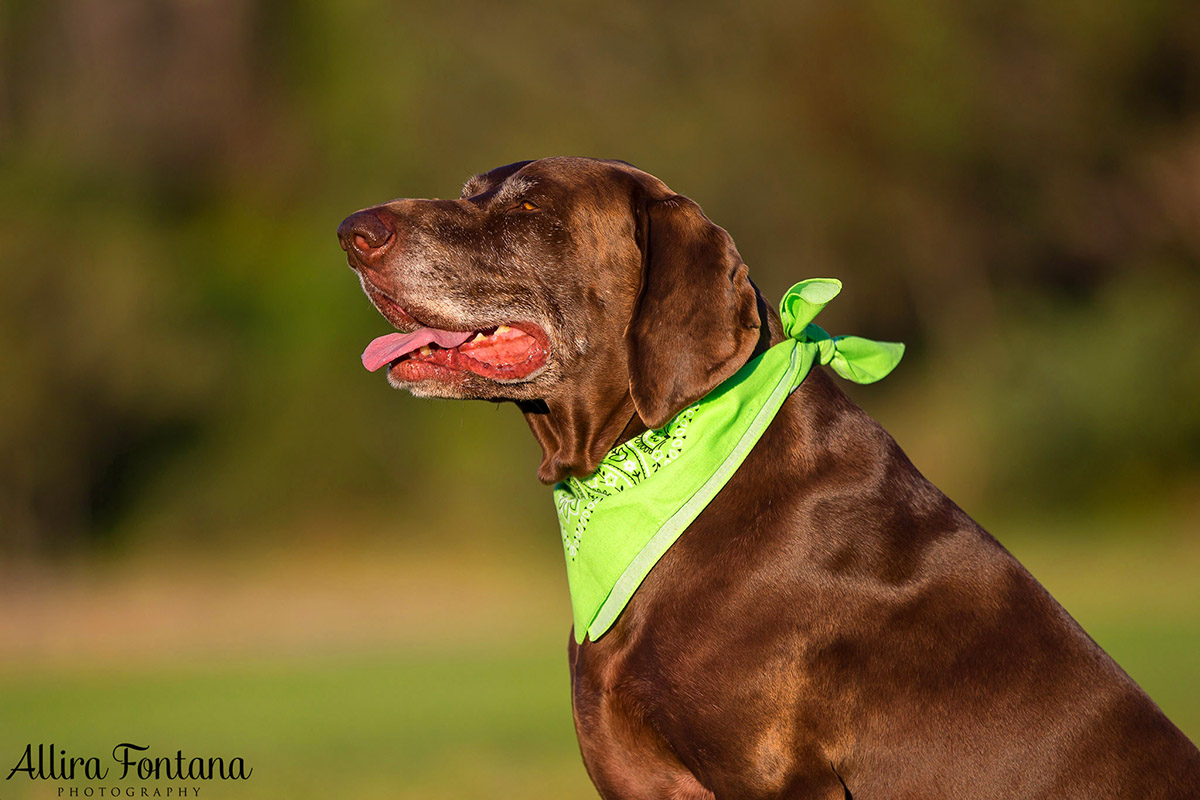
(503,352)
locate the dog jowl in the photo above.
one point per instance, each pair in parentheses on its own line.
(824,622)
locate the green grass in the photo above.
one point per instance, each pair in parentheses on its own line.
(430,725)
(473,716)
(427,725)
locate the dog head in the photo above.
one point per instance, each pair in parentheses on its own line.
(584,290)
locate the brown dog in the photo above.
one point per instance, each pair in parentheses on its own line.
(831,625)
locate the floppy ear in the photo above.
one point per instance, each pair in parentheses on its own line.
(696,320)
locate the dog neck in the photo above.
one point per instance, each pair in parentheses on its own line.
(575,435)
(574,438)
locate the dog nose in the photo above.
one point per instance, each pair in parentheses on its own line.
(364,233)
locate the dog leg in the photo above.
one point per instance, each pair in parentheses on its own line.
(625,756)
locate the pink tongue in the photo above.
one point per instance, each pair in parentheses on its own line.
(388,348)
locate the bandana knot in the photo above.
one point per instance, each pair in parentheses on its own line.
(853,357)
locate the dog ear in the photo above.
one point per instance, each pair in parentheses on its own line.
(696,319)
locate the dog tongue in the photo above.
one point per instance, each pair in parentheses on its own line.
(388,348)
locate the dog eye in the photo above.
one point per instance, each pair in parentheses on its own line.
(527,206)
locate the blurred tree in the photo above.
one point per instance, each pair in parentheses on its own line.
(178,340)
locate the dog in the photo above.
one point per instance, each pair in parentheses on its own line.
(831,625)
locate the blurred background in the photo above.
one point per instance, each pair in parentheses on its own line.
(219,534)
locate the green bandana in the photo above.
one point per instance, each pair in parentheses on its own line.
(618,522)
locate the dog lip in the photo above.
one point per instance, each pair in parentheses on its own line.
(405,322)
(461,363)
(391,310)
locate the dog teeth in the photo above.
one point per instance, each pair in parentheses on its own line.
(502,329)
(479,337)
(425,350)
